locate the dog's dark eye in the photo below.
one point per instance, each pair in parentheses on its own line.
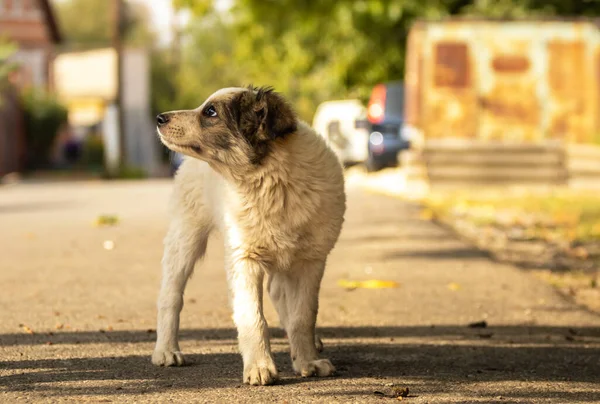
(210,111)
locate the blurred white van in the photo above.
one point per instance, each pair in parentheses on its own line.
(345,127)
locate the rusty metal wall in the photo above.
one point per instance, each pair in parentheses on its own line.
(518,82)
(413,80)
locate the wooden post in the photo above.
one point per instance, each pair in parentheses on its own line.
(118,11)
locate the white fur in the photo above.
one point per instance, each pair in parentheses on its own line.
(281,220)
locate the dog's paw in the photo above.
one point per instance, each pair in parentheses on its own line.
(260,374)
(167,358)
(318,344)
(319,367)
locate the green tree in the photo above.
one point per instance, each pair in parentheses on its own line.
(232,49)
(6,66)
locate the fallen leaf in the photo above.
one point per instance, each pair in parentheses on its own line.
(486,335)
(106,220)
(397,392)
(478,324)
(454,286)
(401,392)
(59,326)
(27,329)
(368,284)
(427,214)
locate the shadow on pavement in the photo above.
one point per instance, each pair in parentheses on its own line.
(420,356)
(460,254)
(532,334)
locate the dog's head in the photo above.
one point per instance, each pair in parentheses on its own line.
(234,127)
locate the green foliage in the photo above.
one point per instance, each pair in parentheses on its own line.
(558,215)
(88,23)
(93,151)
(44,116)
(6,66)
(199,8)
(220,53)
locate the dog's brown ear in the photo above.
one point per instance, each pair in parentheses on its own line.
(276,116)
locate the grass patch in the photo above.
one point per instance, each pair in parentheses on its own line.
(558,215)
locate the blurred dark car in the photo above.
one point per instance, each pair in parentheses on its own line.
(385,115)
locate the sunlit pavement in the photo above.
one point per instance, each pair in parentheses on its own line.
(77,311)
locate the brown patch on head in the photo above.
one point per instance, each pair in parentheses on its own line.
(234,127)
(264,116)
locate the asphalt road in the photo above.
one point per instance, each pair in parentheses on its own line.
(77,320)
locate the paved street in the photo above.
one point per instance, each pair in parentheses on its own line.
(77,320)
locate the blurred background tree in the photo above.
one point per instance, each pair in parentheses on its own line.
(6,65)
(88,24)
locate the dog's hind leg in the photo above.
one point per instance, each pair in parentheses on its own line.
(301,295)
(276,289)
(185,243)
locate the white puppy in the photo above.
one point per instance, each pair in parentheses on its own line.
(275,191)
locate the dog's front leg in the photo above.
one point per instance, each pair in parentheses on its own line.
(246,279)
(185,243)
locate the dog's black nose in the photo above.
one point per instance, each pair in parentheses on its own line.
(162,119)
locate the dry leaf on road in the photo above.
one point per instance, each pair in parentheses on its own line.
(426,214)
(27,329)
(454,286)
(106,220)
